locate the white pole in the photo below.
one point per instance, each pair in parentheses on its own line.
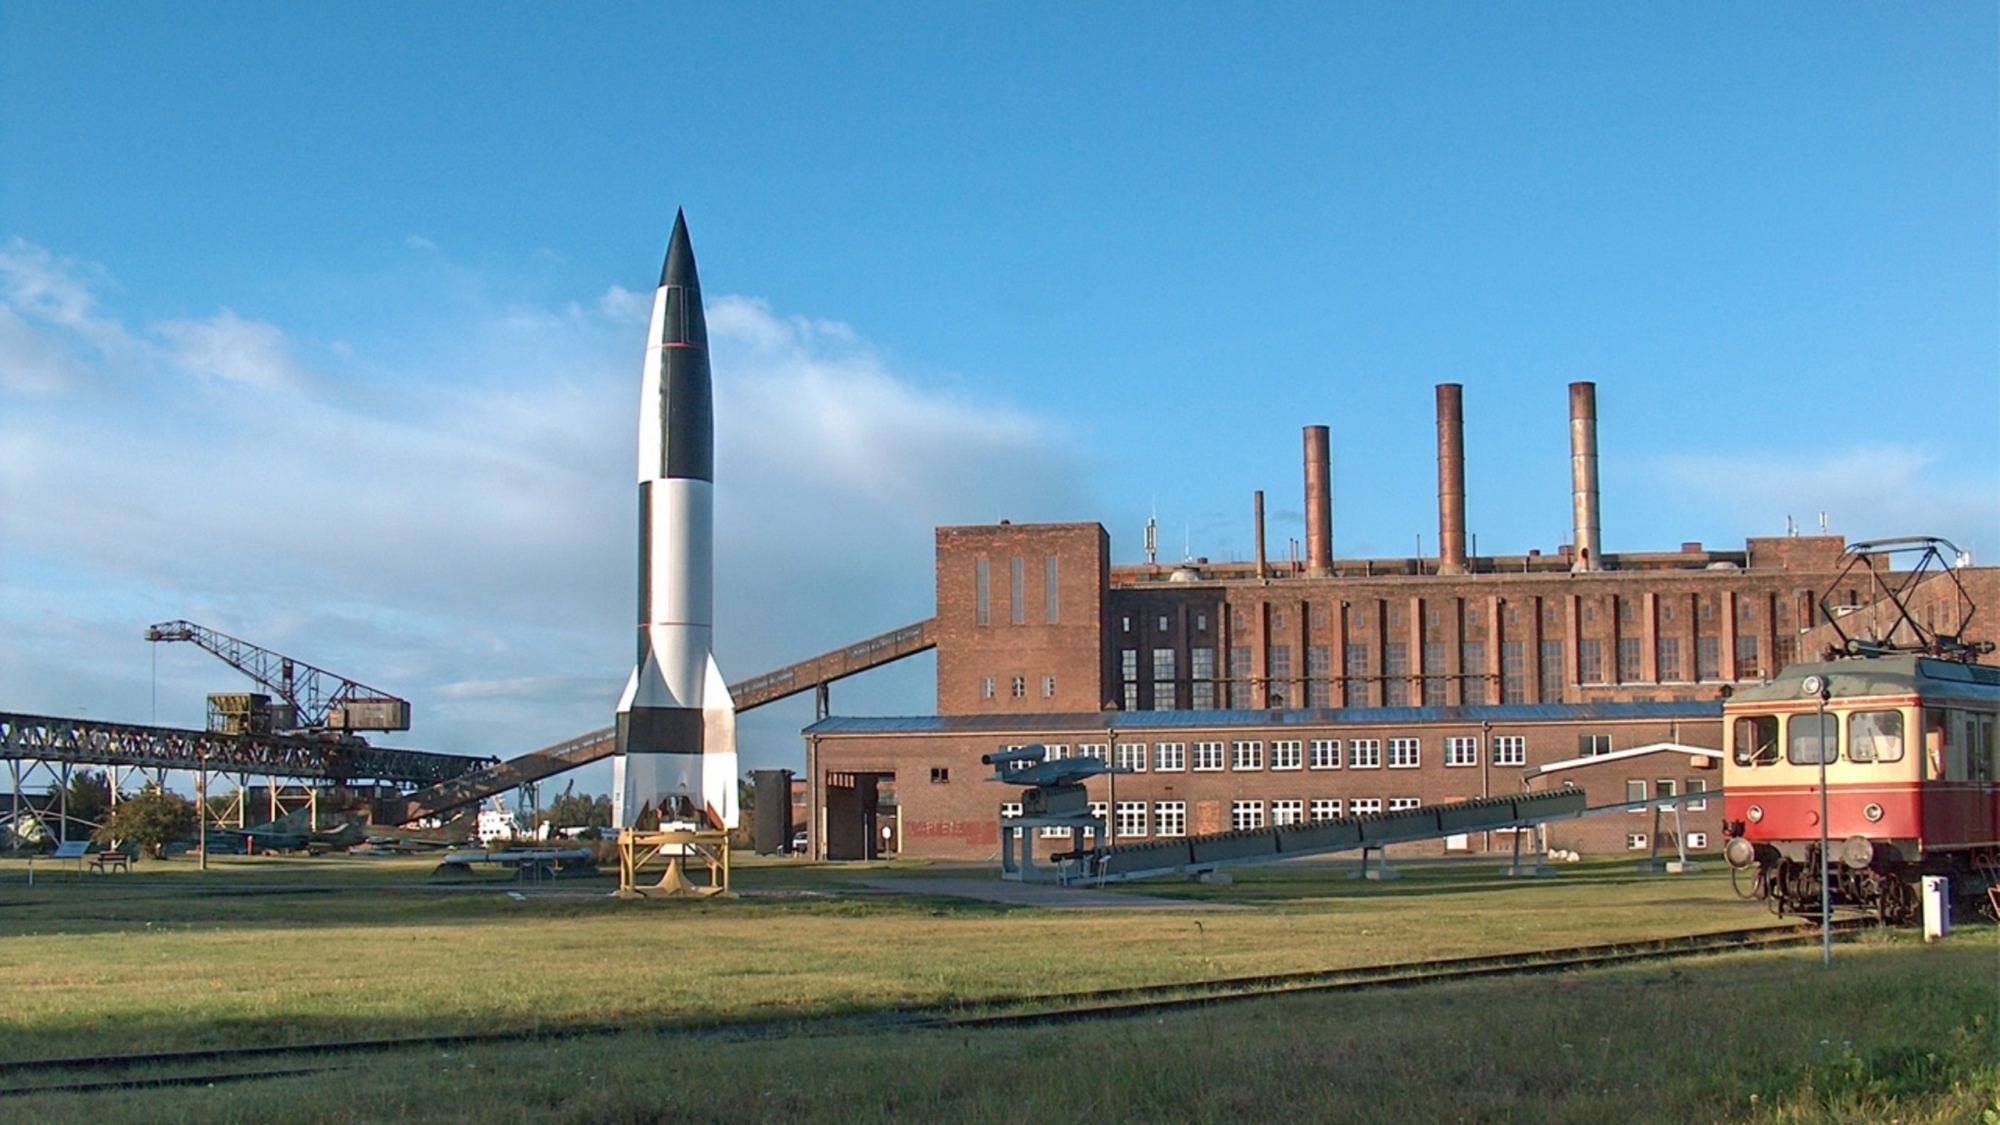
(1825,866)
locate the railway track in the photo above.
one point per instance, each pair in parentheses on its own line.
(997,1012)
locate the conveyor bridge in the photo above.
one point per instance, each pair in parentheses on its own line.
(806,675)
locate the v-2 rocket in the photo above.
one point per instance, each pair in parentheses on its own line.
(676,722)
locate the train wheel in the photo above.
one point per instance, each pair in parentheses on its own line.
(1897,904)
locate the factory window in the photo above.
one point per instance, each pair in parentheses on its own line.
(1319,667)
(1287,812)
(1245,816)
(1743,610)
(1707,610)
(1472,661)
(1128,664)
(1635,792)
(1286,755)
(1668,657)
(1125,623)
(1667,611)
(1016,585)
(1048,687)
(1131,697)
(1360,619)
(1202,668)
(1091,750)
(1048,832)
(1325,808)
(1461,751)
(1631,669)
(1697,785)
(1395,617)
(1590,611)
(1472,617)
(1201,622)
(1019,686)
(1624,609)
(1239,677)
(1513,617)
(1698,840)
(1513,672)
(1404,804)
(1354,692)
(1277,685)
(1590,661)
(1364,753)
(1055,752)
(1746,658)
(1552,671)
(1434,619)
(1165,624)
(1635,841)
(1051,599)
(940,775)
(980,584)
(1707,658)
(1208,756)
(1434,671)
(1510,750)
(1169,818)
(1325,753)
(1664,787)
(1170,757)
(1242,622)
(1405,753)
(1549,613)
(986,687)
(1163,665)
(1131,818)
(1277,619)
(1364,806)
(1593,745)
(1246,756)
(1163,696)
(1132,756)
(1395,669)
(1319,618)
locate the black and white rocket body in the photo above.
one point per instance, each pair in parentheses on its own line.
(676,722)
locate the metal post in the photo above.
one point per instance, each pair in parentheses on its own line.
(1825,867)
(201,811)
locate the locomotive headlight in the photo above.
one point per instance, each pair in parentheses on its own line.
(1873,812)
(1755,813)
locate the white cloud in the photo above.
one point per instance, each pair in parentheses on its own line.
(460,530)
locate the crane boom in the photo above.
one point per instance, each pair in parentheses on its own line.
(322,699)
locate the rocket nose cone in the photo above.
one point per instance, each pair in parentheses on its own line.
(679,266)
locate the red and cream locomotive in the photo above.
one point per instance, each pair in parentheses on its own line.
(1912,776)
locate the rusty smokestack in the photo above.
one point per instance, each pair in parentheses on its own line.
(1262,572)
(1451,478)
(1583,475)
(1319,502)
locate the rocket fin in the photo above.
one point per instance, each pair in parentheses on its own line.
(718,748)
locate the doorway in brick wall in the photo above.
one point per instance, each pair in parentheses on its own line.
(861,820)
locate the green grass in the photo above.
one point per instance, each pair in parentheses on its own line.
(277,950)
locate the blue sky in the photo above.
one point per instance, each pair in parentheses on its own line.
(319,326)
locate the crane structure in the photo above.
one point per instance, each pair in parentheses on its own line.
(316,698)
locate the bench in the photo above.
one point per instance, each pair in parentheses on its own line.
(104,862)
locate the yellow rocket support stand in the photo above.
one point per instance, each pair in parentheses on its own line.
(680,847)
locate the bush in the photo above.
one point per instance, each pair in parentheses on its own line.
(152,819)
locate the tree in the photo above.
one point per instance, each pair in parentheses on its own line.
(152,819)
(89,796)
(575,810)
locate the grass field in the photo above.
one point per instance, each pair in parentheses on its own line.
(299,950)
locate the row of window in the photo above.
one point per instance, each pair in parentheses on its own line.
(1664,788)
(1169,818)
(1291,754)
(1017,687)
(1959,745)
(1017,601)
(1636,841)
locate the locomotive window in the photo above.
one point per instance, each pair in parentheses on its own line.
(1756,742)
(1875,736)
(1814,739)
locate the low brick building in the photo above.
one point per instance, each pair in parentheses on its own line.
(1639,774)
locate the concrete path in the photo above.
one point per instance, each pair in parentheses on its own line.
(1046,895)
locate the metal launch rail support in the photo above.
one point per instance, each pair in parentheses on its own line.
(680,847)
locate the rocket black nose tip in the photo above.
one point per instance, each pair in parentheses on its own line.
(679,266)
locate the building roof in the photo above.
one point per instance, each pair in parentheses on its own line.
(1300,717)
(1622,755)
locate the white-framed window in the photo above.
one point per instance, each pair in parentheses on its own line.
(1325,808)
(1698,840)
(1098,809)
(1056,752)
(1364,753)
(1169,818)
(1697,785)
(1510,750)
(1090,750)
(986,687)
(1019,687)
(1170,757)
(1131,756)
(1325,753)
(1048,687)
(1246,756)
(1461,751)
(1287,812)
(1285,755)
(1363,806)
(1018,763)
(1405,753)
(1635,791)
(1635,841)
(1664,788)
(1048,833)
(1010,809)
(1208,756)
(1404,804)
(1245,815)
(1131,818)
